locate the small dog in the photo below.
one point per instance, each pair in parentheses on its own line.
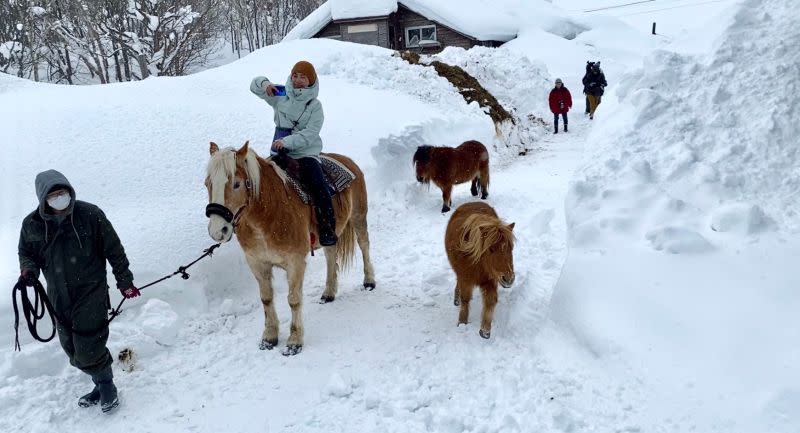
(127,359)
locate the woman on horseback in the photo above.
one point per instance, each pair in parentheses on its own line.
(298,121)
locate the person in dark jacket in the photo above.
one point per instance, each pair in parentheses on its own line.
(69,241)
(585,82)
(560,103)
(594,84)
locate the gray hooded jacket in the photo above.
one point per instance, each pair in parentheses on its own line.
(71,252)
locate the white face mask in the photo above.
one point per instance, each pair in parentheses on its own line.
(60,202)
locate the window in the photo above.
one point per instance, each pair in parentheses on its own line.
(362,28)
(415,35)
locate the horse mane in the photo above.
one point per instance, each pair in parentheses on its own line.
(222,166)
(423,154)
(480,232)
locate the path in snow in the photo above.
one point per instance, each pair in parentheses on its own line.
(391,359)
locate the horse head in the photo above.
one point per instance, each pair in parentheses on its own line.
(489,243)
(422,159)
(231,178)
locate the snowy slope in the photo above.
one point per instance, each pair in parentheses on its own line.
(630,313)
(683,225)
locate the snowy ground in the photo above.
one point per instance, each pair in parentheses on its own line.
(653,294)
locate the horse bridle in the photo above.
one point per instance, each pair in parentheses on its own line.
(223,212)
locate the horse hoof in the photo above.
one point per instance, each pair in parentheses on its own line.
(268,344)
(484,196)
(292,349)
(456,302)
(484,334)
(369,286)
(474,192)
(325,299)
(445,209)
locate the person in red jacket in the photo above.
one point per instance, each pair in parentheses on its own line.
(560,103)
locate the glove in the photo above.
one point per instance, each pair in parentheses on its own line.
(130,292)
(27,278)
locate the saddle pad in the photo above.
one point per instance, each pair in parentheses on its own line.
(337,177)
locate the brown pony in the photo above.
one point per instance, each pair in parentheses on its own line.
(249,194)
(480,249)
(447,166)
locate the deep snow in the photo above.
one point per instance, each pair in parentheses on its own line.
(655,244)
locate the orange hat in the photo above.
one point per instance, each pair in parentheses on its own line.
(306,69)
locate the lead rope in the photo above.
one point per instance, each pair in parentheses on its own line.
(35,311)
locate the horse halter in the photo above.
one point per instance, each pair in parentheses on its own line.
(223,212)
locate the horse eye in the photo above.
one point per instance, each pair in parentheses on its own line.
(236,185)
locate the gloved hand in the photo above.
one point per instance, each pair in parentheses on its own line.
(27,277)
(130,292)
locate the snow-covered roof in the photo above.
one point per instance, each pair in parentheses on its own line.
(475,18)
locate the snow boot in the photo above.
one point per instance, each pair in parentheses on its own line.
(108,396)
(565,128)
(91,398)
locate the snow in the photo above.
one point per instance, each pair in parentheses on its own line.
(348,9)
(507,19)
(654,255)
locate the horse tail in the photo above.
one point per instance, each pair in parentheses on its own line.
(346,246)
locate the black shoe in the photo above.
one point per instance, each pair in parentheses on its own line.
(108,396)
(327,238)
(556,131)
(565,128)
(90,399)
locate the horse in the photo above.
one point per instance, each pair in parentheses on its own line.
(480,250)
(447,166)
(249,195)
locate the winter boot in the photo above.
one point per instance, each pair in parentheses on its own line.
(326,223)
(565,128)
(91,398)
(556,130)
(327,236)
(108,396)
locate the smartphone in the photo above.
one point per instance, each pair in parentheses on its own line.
(281,90)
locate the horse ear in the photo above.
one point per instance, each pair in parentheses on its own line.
(213,148)
(511,226)
(243,151)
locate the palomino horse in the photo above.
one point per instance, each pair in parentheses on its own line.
(249,194)
(480,249)
(447,166)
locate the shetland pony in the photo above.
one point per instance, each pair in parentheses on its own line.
(480,249)
(249,195)
(447,166)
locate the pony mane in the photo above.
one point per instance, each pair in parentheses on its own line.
(480,232)
(423,154)
(222,167)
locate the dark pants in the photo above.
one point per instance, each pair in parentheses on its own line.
(314,181)
(555,119)
(587,104)
(88,352)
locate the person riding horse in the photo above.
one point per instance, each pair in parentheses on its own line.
(298,121)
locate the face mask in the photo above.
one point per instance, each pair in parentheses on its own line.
(60,202)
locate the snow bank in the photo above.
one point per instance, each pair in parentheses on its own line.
(707,136)
(683,224)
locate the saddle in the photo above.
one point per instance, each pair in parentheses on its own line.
(337,176)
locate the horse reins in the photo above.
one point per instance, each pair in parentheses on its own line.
(35,311)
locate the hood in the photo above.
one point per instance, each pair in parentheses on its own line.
(302,95)
(45,182)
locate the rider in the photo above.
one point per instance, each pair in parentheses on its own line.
(298,121)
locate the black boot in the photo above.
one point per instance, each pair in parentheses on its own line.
(91,398)
(556,131)
(108,396)
(326,227)
(565,128)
